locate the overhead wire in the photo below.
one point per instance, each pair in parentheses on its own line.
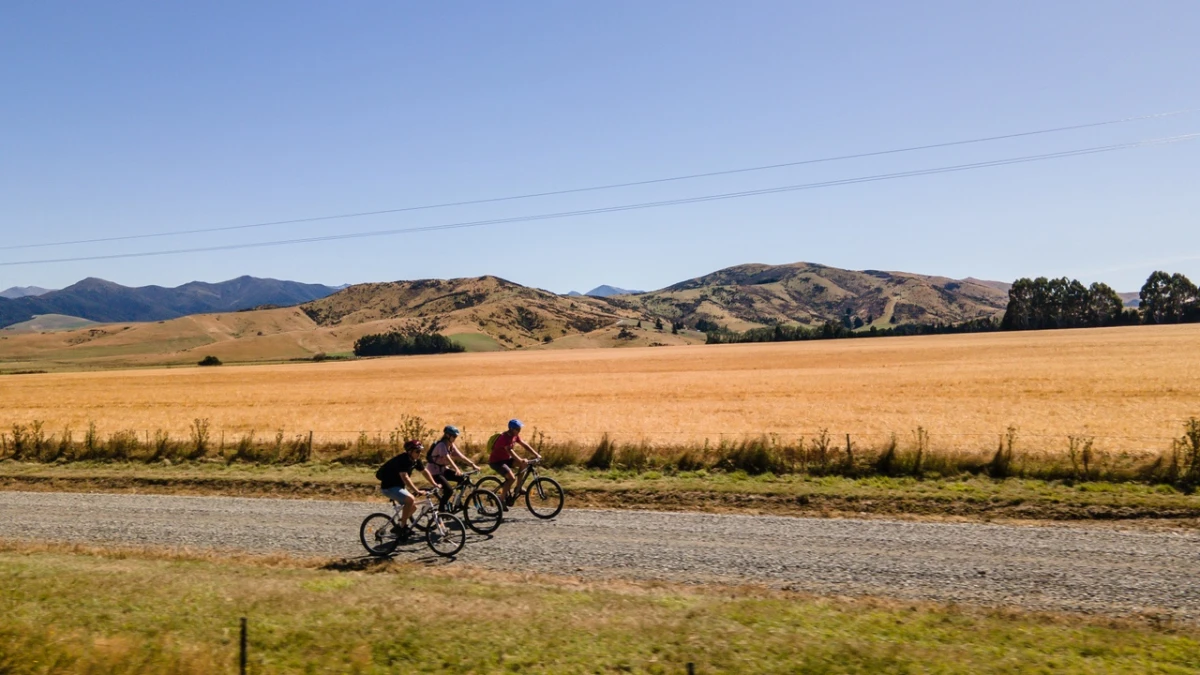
(594,188)
(625,207)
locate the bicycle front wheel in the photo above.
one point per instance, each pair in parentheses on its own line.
(447,535)
(482,511)
(378,534)
(544,498)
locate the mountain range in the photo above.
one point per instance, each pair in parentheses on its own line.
(104,301)
(481,313)
(23,291)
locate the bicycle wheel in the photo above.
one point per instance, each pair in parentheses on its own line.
(492,483)
(544,498)
(378,534)
(446,535)
(482,511)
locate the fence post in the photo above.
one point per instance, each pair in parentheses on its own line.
(308,455)
(691,668)
(242,651)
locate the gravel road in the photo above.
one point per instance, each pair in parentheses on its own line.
(1044,568)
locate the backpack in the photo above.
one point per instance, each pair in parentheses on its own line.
(429,453)
(491,444)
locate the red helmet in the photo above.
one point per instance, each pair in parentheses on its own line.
(413,444)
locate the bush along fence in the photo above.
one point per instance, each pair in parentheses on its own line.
(821,454)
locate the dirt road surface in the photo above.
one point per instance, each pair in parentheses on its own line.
(1102,571)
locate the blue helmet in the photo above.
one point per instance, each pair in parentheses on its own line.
(451,430)
(515,425)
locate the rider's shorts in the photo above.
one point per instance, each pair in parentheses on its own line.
(396,494)
(496,465)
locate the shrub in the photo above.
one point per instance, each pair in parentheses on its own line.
(210,360)
(602,456)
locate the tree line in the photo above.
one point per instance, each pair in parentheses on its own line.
(396,343)
(1066,303)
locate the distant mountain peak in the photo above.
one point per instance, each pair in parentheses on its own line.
(23,292)
(605,290)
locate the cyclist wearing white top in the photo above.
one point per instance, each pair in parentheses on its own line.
(441,462)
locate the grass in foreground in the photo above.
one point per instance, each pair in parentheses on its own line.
(80,610)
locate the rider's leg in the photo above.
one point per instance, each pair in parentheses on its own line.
(453,480)
(443,480)
(410,505)
(509,479)
(519,465)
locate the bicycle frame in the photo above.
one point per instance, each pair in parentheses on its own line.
(461,490)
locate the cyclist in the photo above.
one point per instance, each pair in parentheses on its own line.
(503,459)
(441,463)
(395,481)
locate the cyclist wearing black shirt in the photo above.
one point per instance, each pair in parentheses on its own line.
(395,479)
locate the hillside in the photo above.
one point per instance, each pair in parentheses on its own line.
(488,313)
(105,301)
(511,314)
(747,296)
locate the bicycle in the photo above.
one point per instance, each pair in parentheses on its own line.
(480,507)
(444,532)
(544,498)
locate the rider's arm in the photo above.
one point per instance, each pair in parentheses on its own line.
(409,484)
(428,476)
(455,452)
(530,448)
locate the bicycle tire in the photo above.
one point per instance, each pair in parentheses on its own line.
(492,483)
(544,498)
(448,536)
(482,511)
(377,534)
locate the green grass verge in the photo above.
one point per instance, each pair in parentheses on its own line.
(969,496)
(101,613)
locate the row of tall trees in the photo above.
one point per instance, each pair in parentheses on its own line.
(1169,298)
(1066,303)
(396,343)
(831,330)
(1062,303)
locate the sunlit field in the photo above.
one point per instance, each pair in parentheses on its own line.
(1128,388)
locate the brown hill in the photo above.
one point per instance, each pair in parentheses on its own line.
(509,313)
(489,313)
(748,296)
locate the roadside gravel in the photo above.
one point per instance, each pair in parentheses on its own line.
(1041,568)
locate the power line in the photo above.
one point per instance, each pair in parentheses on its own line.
(611,186)
(628,207)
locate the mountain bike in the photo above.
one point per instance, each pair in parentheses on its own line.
(543,498)
(445,534)
(480,507)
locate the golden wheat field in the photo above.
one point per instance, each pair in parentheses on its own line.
(1130,388)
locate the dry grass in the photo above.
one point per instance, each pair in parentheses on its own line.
(1129,388)
(177,612)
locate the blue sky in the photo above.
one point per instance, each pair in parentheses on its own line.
(133,118)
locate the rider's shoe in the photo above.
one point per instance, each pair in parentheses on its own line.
(402,532)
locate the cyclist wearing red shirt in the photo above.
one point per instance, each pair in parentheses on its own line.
(503,459)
